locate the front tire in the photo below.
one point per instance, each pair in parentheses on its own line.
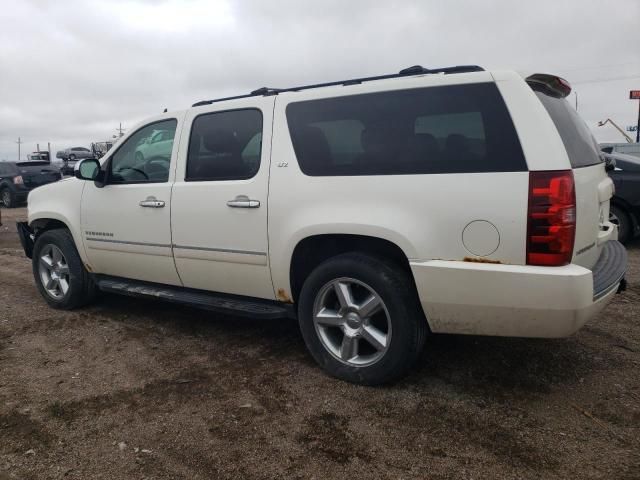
(622,219)
(8,198)
(59,273)
(361,319)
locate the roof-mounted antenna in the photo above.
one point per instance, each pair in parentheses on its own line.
(415,70)
(266,91)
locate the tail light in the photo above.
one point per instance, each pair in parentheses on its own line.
(17,180)
(551,228)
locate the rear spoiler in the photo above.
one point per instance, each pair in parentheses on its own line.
(550,84)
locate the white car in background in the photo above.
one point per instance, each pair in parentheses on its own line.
(155,145)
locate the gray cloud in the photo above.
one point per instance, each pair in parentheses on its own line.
(71,71)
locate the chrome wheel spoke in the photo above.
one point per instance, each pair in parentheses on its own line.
(63,270)
(329,318)
(56,255)
(46,263)
(343,292)
(64,286)
(349,347)
(370,306)
(374,337)
(51,284)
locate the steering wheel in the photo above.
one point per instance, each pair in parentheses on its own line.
(146,177)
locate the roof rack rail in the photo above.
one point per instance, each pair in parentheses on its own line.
(414,70)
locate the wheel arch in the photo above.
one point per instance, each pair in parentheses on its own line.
(631,212)
(312,250)
(51,221)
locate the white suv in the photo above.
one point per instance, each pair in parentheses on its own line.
(375,210)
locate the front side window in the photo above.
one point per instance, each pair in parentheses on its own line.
(145,156)
(225,146)
(451,129)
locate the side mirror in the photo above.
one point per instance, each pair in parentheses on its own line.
(87,169)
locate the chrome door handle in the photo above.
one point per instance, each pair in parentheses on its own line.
(152,202)
(242,201)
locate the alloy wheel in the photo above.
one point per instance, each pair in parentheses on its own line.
(54,271)
(352,322)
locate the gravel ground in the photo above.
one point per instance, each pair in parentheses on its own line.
(135,389)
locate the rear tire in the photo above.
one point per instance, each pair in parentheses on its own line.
(59,273)
(621,218)
(372,332)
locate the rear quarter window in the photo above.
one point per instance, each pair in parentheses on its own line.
(8,169)
(449,129)
(578,141)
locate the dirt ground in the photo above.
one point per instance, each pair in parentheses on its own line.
(135,389)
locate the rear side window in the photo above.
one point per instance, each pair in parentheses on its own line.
(8,169)
(225,146)
(450,129)
(579,143)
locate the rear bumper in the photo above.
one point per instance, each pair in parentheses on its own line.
(517,300)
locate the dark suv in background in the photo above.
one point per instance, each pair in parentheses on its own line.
(625,204)
(17,179)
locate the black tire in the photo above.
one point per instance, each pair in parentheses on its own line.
(82,289)
(623,220)
(8,198)
(397,291)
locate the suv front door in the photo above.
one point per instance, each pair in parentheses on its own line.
(126,224)
(219,203)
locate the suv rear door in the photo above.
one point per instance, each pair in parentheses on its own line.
(593,186)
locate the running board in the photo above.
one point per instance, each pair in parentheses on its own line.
(216,302)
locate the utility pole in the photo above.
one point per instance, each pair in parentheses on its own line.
(19,142)
(120,130)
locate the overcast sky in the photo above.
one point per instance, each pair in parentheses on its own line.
(71,70)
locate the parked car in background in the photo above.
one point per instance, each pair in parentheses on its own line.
(625,204)
(625,148)
(74,153)
(70,156)
(17,179)
(155,144)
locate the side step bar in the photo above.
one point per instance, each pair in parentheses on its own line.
(216,302)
